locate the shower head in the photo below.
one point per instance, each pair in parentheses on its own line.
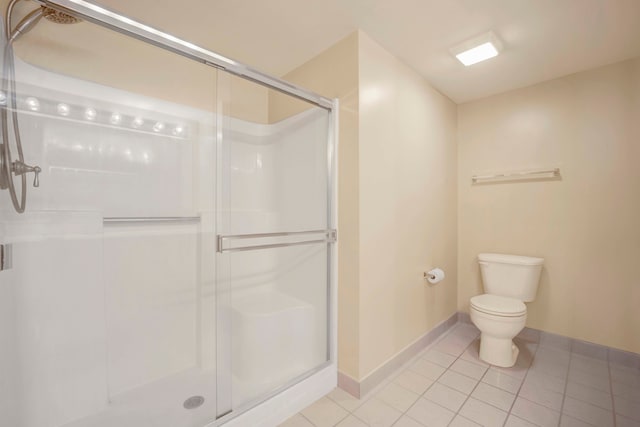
(58,17)
(29,21)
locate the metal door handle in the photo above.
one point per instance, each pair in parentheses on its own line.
(328,236)
(6,256)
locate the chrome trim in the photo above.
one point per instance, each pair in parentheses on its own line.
(223,288)
(330,237)
(277,234)
(155,219)
(122,24)
(331,291)
(272,246)
(6,256)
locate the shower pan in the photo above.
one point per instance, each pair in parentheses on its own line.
(167,229)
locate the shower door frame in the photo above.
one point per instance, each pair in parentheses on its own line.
(106,18)
(126,26)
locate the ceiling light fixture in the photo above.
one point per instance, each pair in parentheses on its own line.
(477,49)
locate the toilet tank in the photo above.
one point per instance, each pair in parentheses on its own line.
(510,275)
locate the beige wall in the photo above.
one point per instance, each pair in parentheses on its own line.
(397,199)
(407,205)
(586,225)
(334,73)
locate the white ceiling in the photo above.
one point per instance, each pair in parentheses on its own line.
(543,39)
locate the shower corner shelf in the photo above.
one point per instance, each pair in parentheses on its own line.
(524,175)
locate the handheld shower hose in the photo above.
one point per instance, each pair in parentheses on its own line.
(18,167)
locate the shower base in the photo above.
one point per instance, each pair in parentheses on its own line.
(160,404)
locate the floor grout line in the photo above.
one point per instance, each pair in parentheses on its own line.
(439,376)
(384,403)
(303,416)
(474,387)
(406,367)
(613,401)
(566,385)
(522,383)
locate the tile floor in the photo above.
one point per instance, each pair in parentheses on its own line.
(448,385)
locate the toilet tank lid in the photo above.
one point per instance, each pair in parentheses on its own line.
(510,259)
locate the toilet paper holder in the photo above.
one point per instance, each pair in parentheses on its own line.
(435,275)
(429,275)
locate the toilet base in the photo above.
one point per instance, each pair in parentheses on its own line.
(498,351)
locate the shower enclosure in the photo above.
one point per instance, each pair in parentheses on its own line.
(175,266)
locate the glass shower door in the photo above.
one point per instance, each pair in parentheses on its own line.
(273,244)
(107,311)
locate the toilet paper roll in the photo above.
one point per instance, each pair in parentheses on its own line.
(436,275)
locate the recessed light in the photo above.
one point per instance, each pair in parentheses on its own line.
(137,122)
(477,49)
(115,119)
(178,130)
(63,109)
(158,127)
(33,103)
(90,114)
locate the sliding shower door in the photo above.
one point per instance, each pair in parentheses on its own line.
(107,310)
(174,265)
(273,244)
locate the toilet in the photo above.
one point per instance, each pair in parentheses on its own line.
(500,314)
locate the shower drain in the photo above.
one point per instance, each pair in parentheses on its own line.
(193,402)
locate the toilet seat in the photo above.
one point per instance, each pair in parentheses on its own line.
(498,305)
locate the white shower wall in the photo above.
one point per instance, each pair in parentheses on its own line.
(151,290)
(58,346)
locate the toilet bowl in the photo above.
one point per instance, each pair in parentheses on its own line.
(500,314)
(499,319)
